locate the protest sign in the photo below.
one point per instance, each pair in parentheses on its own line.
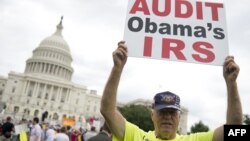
(179,30)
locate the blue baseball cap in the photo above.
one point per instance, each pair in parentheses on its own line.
(166,100)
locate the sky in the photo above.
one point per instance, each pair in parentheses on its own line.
(93,28)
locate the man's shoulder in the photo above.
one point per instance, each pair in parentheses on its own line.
(135,128)
(38,126)
(133,131)
(7,124)
(91,133)
(61,135)
(206,136)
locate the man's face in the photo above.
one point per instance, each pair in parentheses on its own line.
(166,121)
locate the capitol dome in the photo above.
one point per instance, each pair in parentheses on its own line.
(56,40)
(52,57)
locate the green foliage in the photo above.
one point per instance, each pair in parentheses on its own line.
(246,119)
(199,127)
(138,115)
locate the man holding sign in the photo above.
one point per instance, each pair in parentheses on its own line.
(165,108)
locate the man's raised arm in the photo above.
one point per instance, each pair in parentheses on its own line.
(114,119)
(234,109)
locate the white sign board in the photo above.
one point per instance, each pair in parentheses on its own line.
(179,30)
(21,128)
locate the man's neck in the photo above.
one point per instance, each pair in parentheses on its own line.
(165,136)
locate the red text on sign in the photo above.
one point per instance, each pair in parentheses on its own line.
(180,12)
(176,47)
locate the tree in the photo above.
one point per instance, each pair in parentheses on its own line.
(138,115)
(199,127)
(246,119)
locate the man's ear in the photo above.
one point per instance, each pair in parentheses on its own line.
(152,113)
(152,106)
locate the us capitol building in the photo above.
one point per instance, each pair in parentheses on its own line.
(46,86)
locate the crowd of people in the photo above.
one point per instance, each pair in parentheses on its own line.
(39,131)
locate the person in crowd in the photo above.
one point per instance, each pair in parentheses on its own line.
(8,129)
(36,130)
(75,134)
(50,133)
(165,108)
(90,133)
(103,135)
(68,131)
(61,136)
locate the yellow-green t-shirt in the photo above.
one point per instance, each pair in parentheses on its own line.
(134,133)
